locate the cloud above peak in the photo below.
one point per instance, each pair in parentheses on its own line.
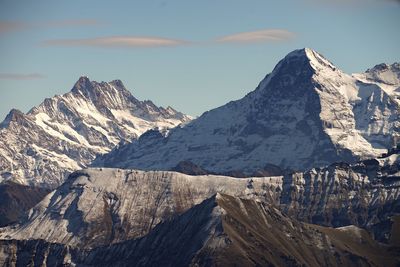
(20,76)
(117,41)
(260,36)
(134,41)
(12,26)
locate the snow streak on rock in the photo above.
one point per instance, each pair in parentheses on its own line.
(66,132)
(306,113)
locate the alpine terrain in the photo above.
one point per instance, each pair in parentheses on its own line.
(306,113)
(113,217)
(96,177)
(66,132)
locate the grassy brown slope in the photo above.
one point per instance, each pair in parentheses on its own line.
(260,235)
(395,234)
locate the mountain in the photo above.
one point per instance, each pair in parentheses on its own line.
(222,230)
(230,231)
(386,76)
(66,132)
(305,113)
(100,206)
(16,199)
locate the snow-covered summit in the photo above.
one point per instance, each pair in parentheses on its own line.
(306,56)
(66,132)
(305,113)
(386,76)
(389,74)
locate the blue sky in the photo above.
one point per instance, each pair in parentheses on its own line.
(193,55)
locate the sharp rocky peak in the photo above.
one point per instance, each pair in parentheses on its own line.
(384,67)
(385,73)
(295,70)
(118,83)
(82,84)
(306,57)
(90,88)
(13,115)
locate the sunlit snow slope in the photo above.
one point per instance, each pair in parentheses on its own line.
(65,132)
(306,113)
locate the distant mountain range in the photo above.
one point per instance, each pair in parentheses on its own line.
(306,113)
(66,132)
(96,177)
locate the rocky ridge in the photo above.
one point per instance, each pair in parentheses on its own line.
(220,231)
(306,113)
(66,132)
(133,202)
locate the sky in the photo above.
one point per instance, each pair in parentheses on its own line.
(189,54)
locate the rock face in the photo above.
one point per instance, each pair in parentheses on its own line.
(306,113)
(104,206)
(364,194)
(66,132)
(16,199)
(220,231)
(232,231)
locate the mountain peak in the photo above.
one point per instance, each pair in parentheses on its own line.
(83,84)
(117,83)
(303,52)
(385,73)
(13,115)
(316,60)
(379,67)
(299,52)
(304,62)
(296,67)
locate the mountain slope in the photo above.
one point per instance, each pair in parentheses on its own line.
(16,199)
(97,207)
(221,231)
(306,113)
(227,231)
(66,132)
(102,206)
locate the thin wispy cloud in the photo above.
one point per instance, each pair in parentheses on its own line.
(12,26)
(394,1)
(68,23)
(9,26)
(21,77)
(117,41)
(261,36)
(350,3)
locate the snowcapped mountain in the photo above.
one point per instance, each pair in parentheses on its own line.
(66,132)
(96,207)
(387,76)
(306,113)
